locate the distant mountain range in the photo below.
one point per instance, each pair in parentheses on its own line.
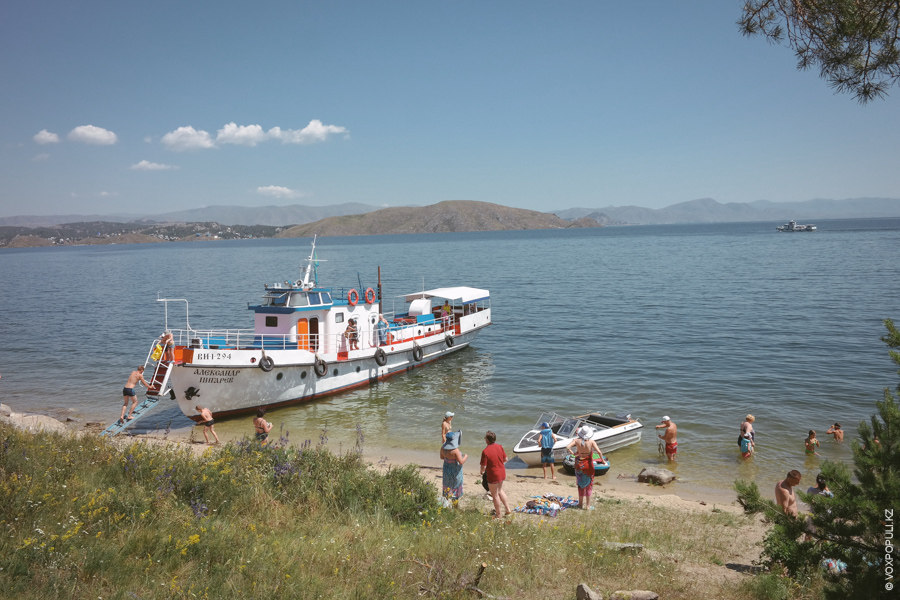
(467,215)
(707,210)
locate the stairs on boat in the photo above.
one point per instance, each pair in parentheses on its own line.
(140,410)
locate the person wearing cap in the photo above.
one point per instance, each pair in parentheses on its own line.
(454,460)
(445,426)
(585,448)
(837,432)
(548,439)
(670,436)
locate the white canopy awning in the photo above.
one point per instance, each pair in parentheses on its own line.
(463,294)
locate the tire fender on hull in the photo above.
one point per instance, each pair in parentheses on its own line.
(380,357)
(417,352)
(320,367)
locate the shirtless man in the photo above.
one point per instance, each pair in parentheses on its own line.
(137,376)
(445,426)
(206,419)
(784,493)
(837,432)
(670,436)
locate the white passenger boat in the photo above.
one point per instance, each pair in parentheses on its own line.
(299,348)
(610,433)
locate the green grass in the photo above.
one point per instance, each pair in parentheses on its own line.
(87,518)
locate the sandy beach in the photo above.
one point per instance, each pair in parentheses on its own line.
(521,485)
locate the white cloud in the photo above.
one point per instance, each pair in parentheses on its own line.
(45,137)
(316,131)
(91,134)
(187,138)
(146,165)
(277,191)
(244,135)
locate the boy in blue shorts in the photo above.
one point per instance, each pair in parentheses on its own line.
(548,438)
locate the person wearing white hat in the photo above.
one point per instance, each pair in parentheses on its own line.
(585,448)
(445,426)
(670,436)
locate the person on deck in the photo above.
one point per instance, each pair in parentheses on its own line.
(352,335)
(167,341)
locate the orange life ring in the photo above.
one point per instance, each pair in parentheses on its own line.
(352,297)
(370,295)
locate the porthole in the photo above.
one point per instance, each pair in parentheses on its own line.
(357,368)
(303,375)
(335,372)
(279,376)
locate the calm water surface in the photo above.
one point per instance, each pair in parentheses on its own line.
(704,323)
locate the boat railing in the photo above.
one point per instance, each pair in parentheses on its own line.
(368,337)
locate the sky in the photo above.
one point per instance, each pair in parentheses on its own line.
(152,107)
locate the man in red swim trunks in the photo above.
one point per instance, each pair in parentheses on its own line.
(670,436)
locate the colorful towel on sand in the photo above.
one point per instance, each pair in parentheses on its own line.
(548,505)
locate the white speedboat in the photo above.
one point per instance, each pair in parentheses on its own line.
(610,433)
(300,347)
(794,226)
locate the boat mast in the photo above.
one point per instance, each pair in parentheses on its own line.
(309,264)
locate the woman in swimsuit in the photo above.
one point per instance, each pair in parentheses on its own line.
(262,427)
(585,448)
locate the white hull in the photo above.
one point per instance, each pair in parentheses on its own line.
(236,386)
(608,438)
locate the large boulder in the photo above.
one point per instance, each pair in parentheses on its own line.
(656,476)
(36,423)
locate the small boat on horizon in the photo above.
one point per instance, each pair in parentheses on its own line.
(301,348)
(794,226)
(610,433)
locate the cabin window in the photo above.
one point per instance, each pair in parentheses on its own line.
(314,298)
(299,299)
(339,317)
(326,298)
(271,321)
(278,299)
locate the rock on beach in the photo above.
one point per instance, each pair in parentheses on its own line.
(33,423)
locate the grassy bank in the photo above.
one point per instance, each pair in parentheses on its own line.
(83,517)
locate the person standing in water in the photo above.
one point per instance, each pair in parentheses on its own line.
(669,436)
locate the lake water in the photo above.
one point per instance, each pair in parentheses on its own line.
(704,323)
